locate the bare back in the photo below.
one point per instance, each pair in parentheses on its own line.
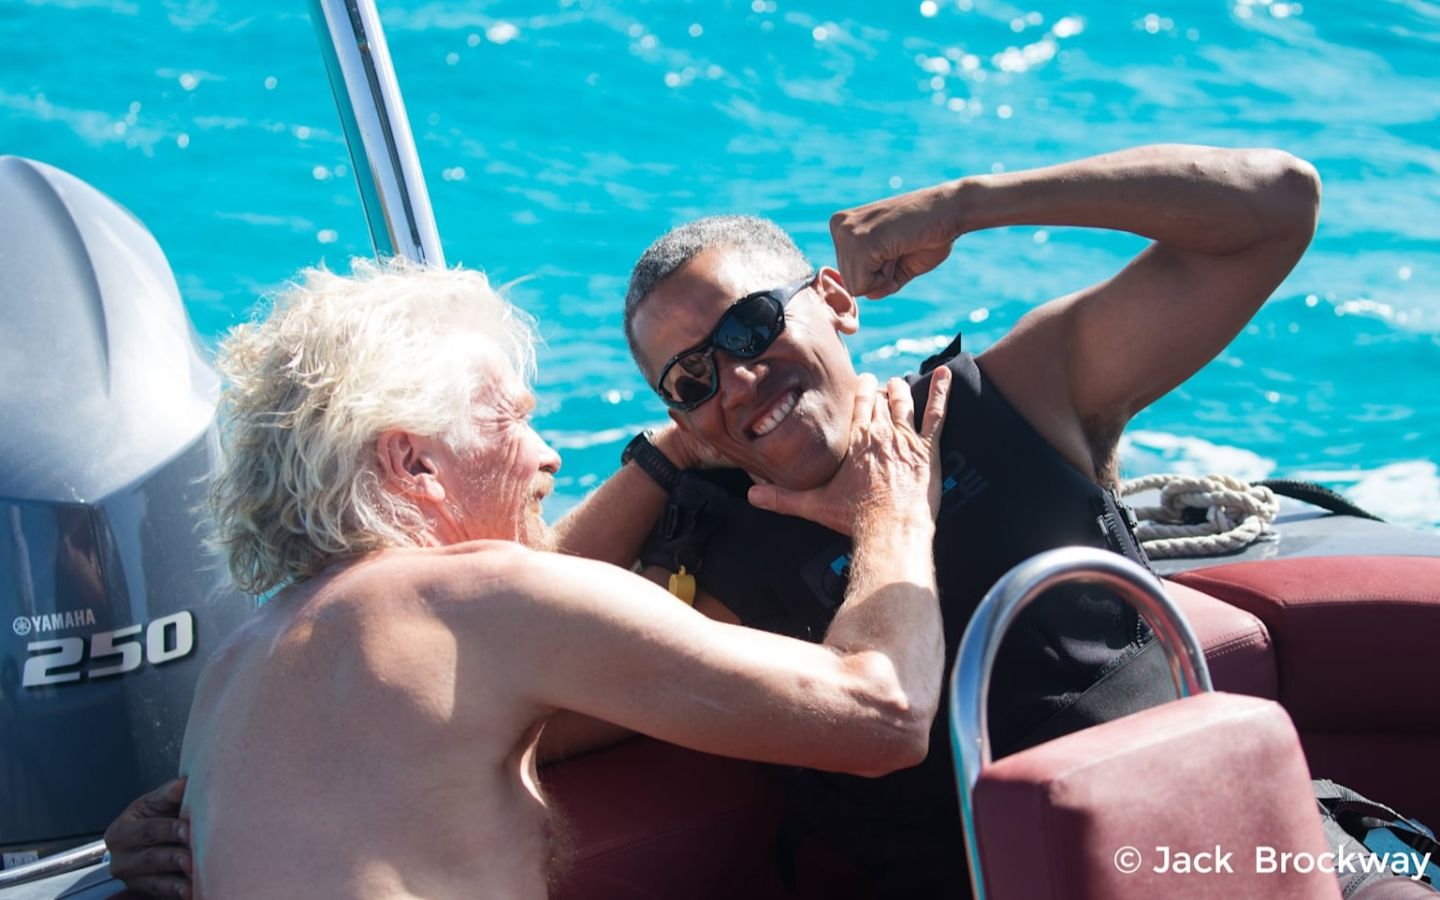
(372,733)
(330,753)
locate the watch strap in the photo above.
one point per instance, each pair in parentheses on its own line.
(643,453)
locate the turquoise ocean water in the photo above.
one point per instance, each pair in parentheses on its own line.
(560,136)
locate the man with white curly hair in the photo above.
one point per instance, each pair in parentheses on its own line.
(383,476)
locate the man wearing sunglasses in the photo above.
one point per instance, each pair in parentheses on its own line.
(373,729)
(742,341)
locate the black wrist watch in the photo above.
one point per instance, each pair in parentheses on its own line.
(651,461)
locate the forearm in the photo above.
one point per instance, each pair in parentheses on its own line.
(612,523)
(892,608)
(1199,199)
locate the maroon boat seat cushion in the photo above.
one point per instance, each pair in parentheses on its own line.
(646,820)
(1355,636)
(1355,648)
(1237,644)
(1058,820)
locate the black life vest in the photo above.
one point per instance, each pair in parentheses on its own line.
(1006,495)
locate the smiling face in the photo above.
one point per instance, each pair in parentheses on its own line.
(785,415)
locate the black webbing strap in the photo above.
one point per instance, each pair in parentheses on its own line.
(1316,495)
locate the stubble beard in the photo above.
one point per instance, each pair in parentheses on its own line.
(534,532)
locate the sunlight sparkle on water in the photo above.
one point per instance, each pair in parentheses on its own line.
(1069,26)
(754,118)
(935,65)
(502,33)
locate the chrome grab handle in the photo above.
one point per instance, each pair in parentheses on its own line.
(78,858)
(372,114)
(1016,589)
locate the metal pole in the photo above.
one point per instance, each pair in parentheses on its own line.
(1016,589)
(69,861)
(372,114)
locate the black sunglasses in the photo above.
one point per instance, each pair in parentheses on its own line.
(745,330)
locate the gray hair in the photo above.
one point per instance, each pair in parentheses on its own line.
(752,235)
(337,362)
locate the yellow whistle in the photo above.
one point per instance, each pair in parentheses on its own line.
(682,585)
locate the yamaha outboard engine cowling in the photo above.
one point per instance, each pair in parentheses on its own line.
(109,601)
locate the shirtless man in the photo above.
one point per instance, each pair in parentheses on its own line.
(382,473)
(1225,225)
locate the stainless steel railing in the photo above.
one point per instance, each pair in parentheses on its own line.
(372,114)
(1016,589)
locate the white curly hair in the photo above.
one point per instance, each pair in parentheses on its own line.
(311,386)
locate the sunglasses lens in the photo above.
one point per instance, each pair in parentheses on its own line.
(746,330)
(749,326)
(689,379)
(692,390)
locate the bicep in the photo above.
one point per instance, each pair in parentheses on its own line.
(1081,366)
(1162,318)
(568,734)
(617,648)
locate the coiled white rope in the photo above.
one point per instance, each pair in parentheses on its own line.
(1236,514)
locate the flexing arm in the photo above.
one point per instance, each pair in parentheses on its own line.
(620,649)
(1228,225)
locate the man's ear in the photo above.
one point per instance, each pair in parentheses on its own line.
(407,466)
(843,308)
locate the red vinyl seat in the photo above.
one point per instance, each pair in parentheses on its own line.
(1237,644)
(1210,770)
(1341,643)
(1354,653)
(647,820)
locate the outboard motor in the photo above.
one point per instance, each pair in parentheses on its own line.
(109,601)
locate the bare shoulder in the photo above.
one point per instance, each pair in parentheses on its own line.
(498,571)
(391,581)
(492,589)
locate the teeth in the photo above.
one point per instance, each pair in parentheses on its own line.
(776,415)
